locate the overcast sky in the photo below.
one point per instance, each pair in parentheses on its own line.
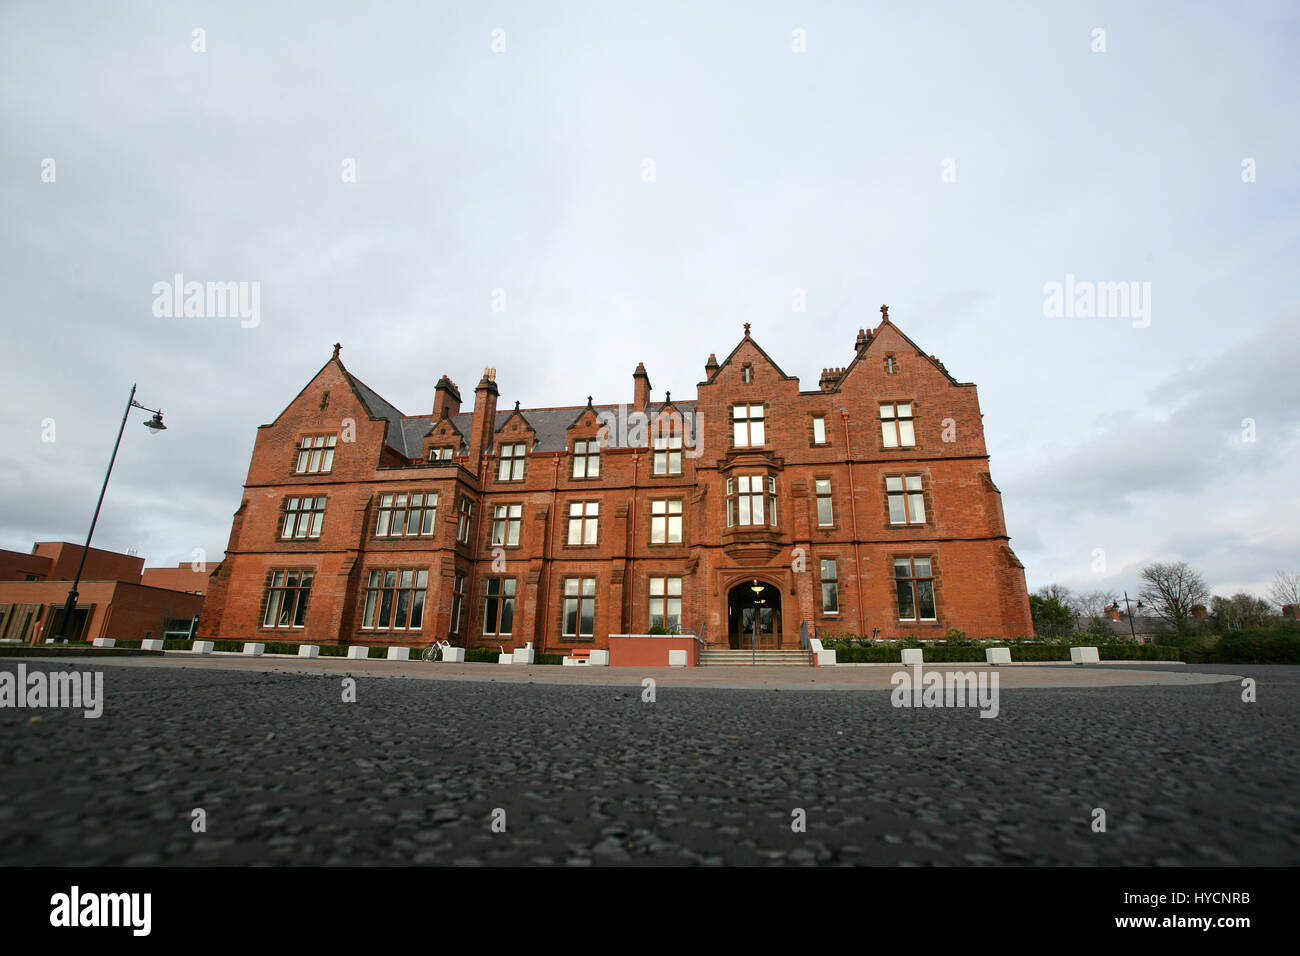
(950,160)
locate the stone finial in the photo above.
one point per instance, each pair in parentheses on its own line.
(516,404)
(337,347)
(884,312)
(746,330)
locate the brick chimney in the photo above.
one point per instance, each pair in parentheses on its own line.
(641,388)
(1198,610)
(710,366)
(1114,613)
(864,337)
(485,417)
(446,399)
(1291,610)
(830,376)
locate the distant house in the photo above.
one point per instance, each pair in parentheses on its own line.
(116,597)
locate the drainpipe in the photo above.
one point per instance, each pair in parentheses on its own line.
(544,579)
(853,508)
(629,588)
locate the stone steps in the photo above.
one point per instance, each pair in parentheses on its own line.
(730,658)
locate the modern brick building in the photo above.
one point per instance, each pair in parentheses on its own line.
(117,597)
(861,506)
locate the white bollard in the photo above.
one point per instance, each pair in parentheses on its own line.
(912,655)
(202,647)
(153,644)
(254,650)
(308,650)
(997,655)
(358,653)
(599,659)
(506,658)
(1084,655)
(453,655)
(677,658)
(523,655)
(399,653)
(104,642)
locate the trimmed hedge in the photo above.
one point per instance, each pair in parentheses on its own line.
(1026,653)
(1256,647)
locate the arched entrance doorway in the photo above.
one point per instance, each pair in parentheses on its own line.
(749,603)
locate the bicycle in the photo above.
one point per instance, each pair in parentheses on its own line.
(435,651)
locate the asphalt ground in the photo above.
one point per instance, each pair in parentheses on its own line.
(501,768)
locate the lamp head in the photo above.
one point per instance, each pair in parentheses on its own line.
(155,424)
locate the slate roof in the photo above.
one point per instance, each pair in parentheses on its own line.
(406,432)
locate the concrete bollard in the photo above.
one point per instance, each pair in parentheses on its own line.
(997,655)
(399,653)
(358,653)
(1084,655)
(506,658)
(523,655)
(453,655)
(308,650)
(152,644)
(598,659)
(677,657)
(104,642)
(252,649)
(202,647)
(912,655)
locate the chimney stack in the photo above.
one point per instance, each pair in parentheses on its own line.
(1198,610)
(830,377)
(864,337)
(1114,613)
(446,399)
(711,366)
(641,388)
(485,417)
(1291,610)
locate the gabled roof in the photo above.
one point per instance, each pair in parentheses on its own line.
(732,354)
(875,337)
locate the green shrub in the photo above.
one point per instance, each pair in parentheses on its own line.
(1279,644)
(482,655)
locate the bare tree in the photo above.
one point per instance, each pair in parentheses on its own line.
(1064,596)
(1285,588)
(1238,612)
(1093,604)
(1172,589)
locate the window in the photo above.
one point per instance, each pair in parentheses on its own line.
(747,425)
(747,373)
(745,500)
(462,522)
(506,520)
(586,459)
(891,364)
(666,603)
(830,587)
(407,514)
(583,519)
(457,601)
(499,606)
(512,463)
(316,454)
(666,522)
(668,453)
(286,599)
(825,511)
(896,425)
(819,430)
(445,453)
(915,584)
(906,501)
(395,599)
(303,517)
(579,607)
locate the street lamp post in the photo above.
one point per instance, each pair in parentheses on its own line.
(1115,604)
(155,424)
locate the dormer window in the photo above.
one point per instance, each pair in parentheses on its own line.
(586,459)
(747,423)
(511,467)
(442,453)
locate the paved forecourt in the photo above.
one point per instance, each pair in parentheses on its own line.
(843,677)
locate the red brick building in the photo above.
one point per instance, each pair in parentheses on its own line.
(117,597)
(862,506)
